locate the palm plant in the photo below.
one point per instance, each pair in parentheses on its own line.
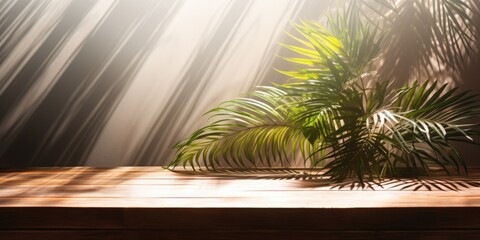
(337,113)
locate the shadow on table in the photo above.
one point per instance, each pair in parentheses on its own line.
(58,183)
(314,179)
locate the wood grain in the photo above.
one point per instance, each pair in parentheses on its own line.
(153,203)
(235,234)
(157,187)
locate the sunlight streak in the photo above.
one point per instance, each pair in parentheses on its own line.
(107,83)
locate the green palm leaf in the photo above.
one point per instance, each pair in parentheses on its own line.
(251,132)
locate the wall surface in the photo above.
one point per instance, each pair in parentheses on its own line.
(106,83)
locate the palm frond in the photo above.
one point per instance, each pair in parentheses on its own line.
(424,119)
(250,132)
(412,127)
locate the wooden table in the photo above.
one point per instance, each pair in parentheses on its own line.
(153,203)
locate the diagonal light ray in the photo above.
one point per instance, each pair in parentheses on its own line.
(117,82)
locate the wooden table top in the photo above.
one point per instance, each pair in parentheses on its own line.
(155,187)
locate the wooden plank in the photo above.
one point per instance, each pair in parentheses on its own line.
(301,234)
(292,219)
(304,219)
(330,201)
(158,178)
(152,203)
(473,171)
(147,188)
(63,234)
(61,218)
(232,234)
